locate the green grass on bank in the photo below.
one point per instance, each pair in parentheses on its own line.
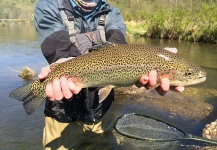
(187,20)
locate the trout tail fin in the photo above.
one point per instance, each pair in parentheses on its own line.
(30,101)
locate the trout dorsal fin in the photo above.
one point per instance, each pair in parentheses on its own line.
(100,44)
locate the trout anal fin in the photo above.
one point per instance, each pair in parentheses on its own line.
(104,92)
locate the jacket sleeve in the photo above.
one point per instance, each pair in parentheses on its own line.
(115,27)
(115,36)
(52,34)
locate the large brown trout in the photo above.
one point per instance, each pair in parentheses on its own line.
(110,66)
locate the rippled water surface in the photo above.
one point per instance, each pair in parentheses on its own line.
(19,48)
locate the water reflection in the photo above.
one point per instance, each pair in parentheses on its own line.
(19,47)
(202,53)
(18,32)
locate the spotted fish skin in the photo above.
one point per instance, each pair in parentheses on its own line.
(114,65)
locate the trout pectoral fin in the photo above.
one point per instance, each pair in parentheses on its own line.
(152,88)
(104,92)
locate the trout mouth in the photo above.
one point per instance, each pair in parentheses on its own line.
(198,80)
(200,77)
(202,74)
(188,82)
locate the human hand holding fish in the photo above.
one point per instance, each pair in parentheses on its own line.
(64,88)
(60,88)
(149,81)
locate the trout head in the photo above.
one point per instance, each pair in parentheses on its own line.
(183,72)
(191,76)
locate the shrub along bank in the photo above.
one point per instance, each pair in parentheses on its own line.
(192,20)
(189,20)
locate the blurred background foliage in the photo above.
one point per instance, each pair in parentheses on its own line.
(18,9)
(189,20)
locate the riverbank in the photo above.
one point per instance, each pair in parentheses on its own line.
(11,22)
(177,23)
(193,20)
(191,32)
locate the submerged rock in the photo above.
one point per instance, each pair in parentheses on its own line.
(210,131)
(190,104)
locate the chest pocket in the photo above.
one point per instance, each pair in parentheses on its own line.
(85,41)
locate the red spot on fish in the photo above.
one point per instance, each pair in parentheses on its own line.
(75,80)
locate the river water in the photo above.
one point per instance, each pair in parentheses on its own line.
(19,48)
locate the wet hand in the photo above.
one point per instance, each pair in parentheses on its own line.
(150,80)
(60,88)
